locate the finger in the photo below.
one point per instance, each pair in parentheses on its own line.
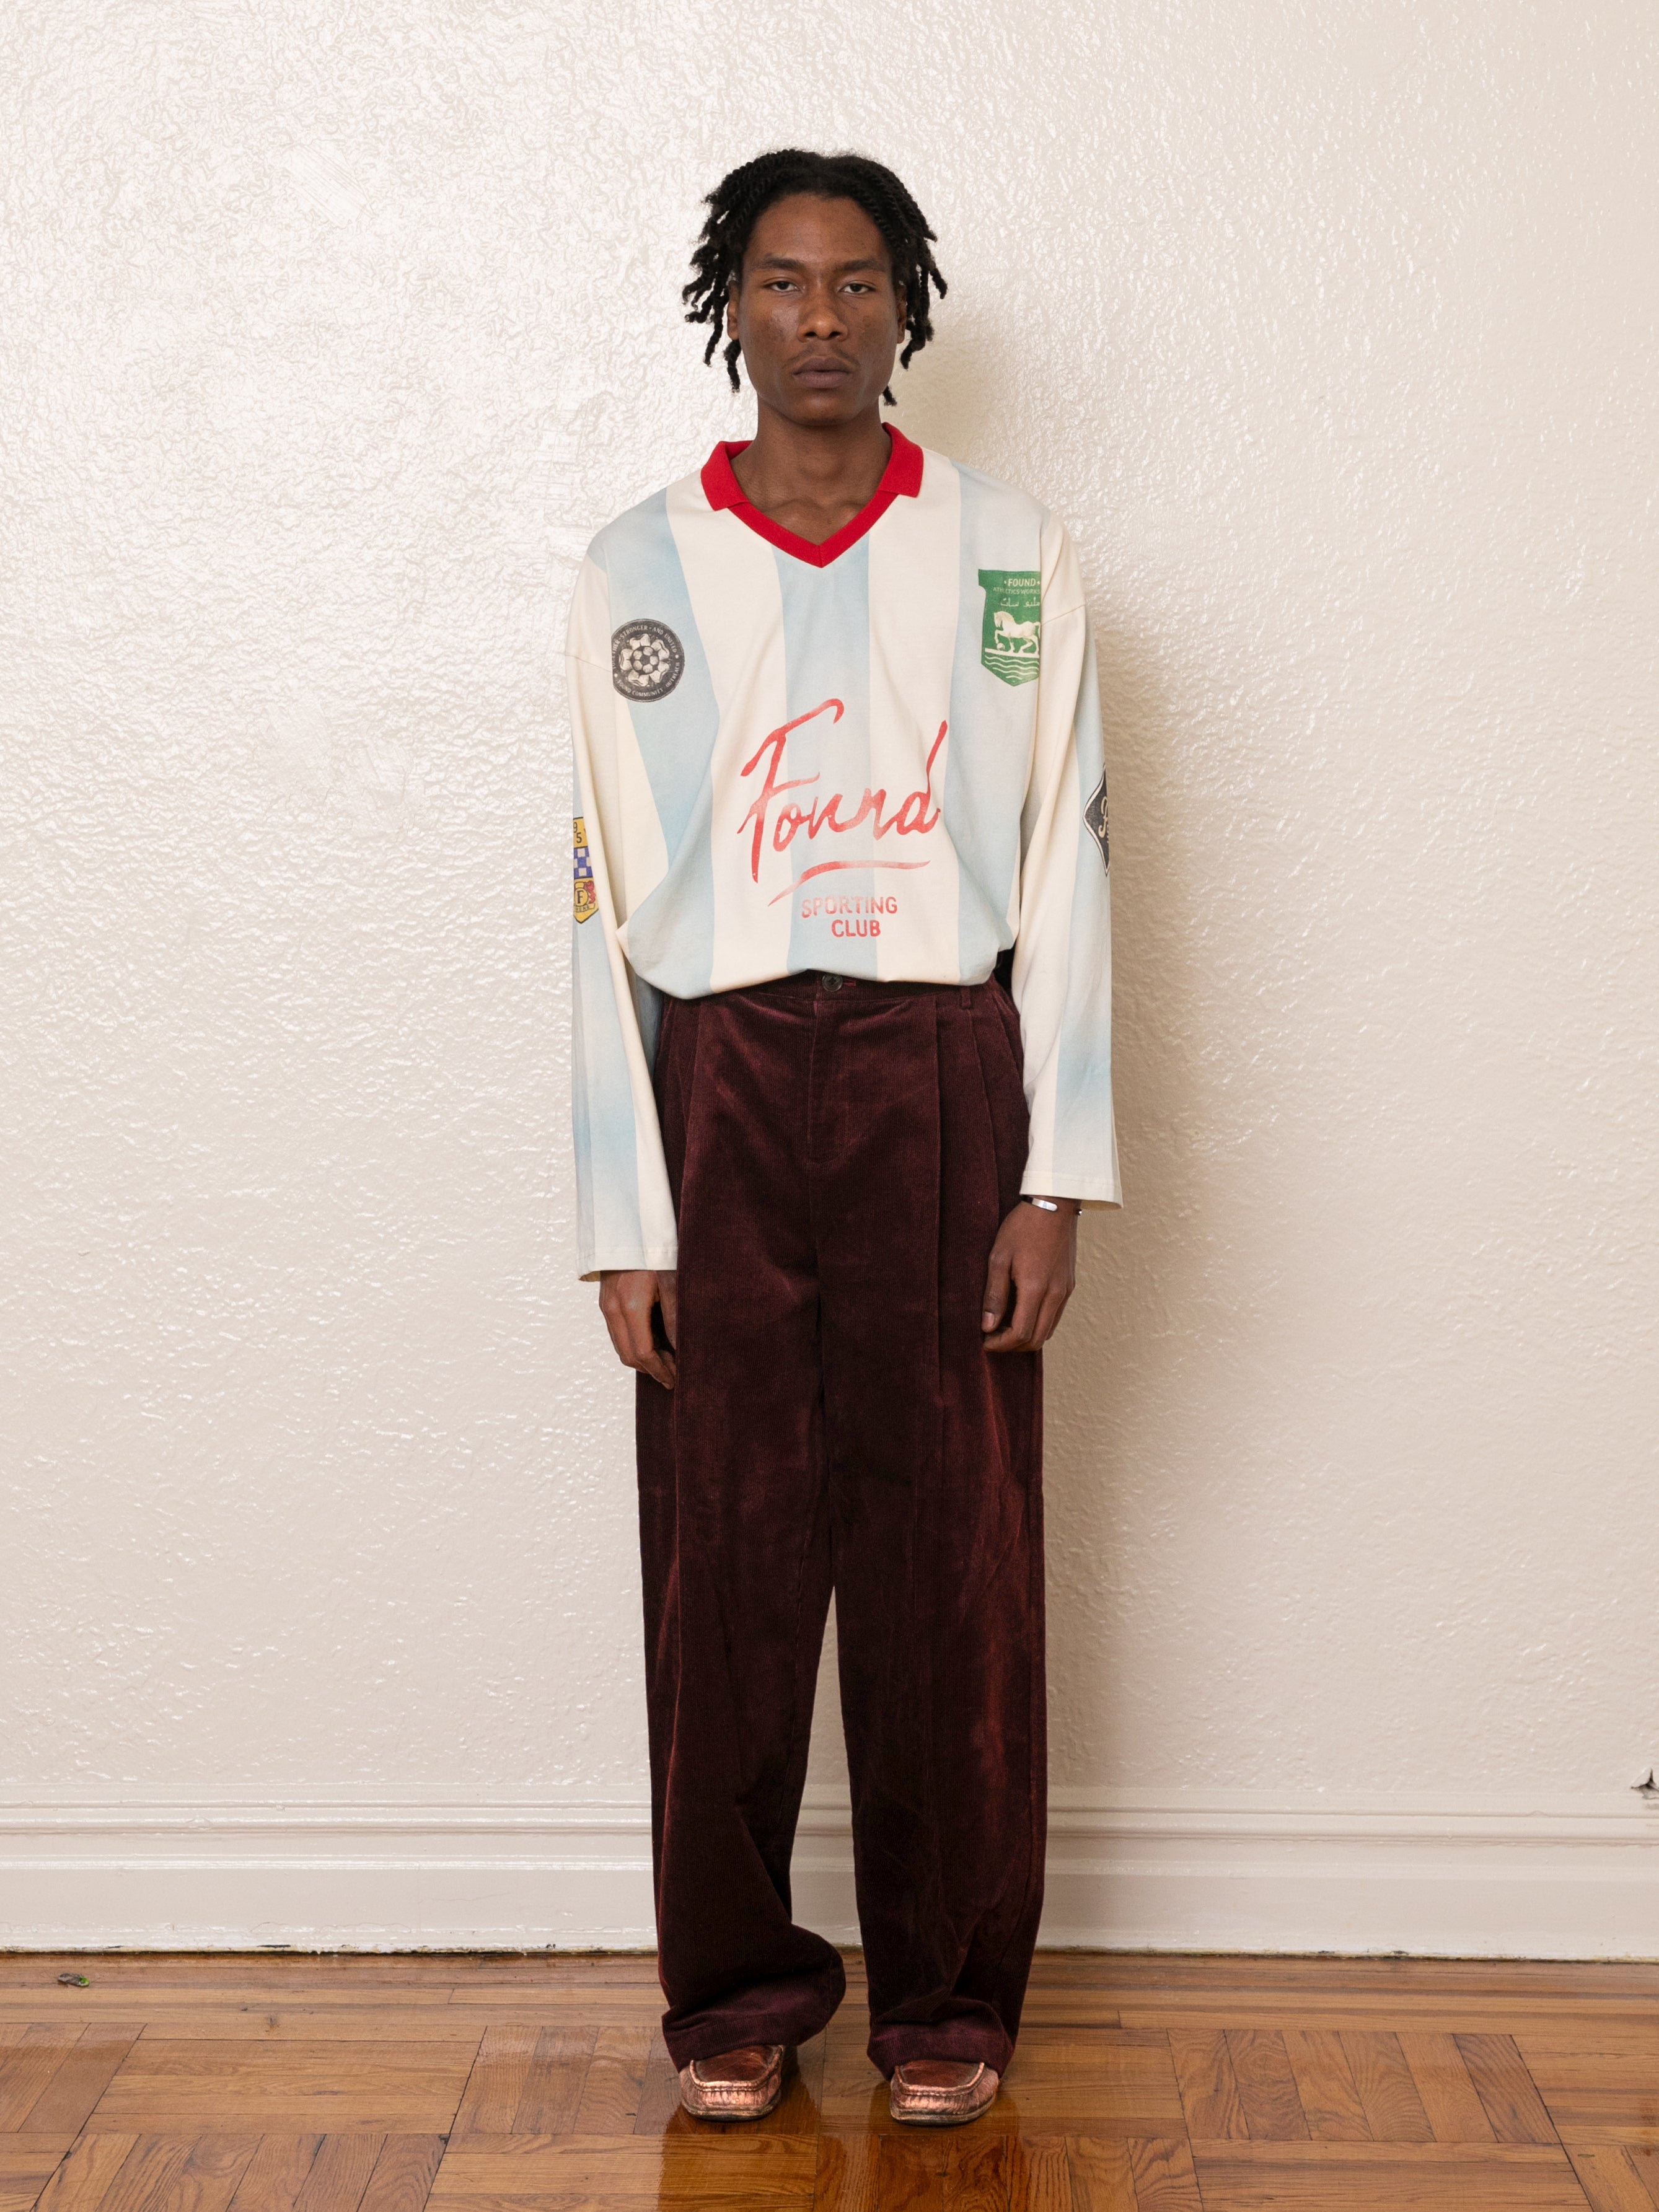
(996,1289)
(660,1366)
(1047,1320)
(1016,1337)
(630,1329)
(1050,1297)
(1028,1305)
(616,1322)
(641,1338)
(668,1291)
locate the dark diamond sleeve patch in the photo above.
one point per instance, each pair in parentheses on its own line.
(1094,818)
(647,661)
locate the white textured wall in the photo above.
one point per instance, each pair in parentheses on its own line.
(329,331)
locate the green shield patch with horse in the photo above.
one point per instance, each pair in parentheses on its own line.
(1011,642)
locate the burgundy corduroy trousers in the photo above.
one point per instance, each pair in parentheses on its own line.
(841,1155)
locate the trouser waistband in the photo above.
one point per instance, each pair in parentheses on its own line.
(812,981)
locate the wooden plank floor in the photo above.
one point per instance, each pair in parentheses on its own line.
(231,2083)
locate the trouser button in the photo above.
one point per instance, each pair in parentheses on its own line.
(831,982)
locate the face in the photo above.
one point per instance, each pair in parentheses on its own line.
(816,311)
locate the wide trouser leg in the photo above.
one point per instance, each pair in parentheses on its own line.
(735,1537)
(841,1162)
(935,1450)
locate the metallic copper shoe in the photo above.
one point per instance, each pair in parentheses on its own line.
(738,2085)
(940,2093)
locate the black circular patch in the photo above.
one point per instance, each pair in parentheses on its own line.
(647,661)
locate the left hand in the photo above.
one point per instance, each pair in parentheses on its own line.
(1034,1260)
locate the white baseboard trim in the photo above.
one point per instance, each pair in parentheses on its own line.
(1128,1870)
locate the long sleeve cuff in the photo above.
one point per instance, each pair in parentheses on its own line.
(660,1259)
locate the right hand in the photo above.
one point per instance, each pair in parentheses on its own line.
(628,1299)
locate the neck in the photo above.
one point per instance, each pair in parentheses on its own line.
(813,471)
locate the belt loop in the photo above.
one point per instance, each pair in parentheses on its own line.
(967,996)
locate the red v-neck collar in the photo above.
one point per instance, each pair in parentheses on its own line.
(900,479)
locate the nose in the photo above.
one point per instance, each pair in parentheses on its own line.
(822,317)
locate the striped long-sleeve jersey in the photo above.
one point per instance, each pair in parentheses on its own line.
(879,757)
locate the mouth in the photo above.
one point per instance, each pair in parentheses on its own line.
(822,371)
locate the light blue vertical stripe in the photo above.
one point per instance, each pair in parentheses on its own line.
(826,652)
(992,726)
(672,931)
(607,1160)
(1083,1078)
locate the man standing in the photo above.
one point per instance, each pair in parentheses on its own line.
(839,764)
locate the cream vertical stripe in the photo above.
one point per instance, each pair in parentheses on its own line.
(915,591)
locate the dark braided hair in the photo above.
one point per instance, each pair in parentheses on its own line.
(743,196)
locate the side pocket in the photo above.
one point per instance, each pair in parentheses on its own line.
(1008,1020)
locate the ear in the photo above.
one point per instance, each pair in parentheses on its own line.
(903,305)
(732,308)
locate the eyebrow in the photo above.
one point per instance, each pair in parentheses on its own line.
(841,268)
